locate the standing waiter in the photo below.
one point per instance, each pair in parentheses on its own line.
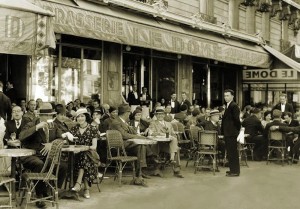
(230,129)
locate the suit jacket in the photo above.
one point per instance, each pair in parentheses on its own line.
(273,123)
(186,102)
(174,109)
(11,127)
(231,123)
(132,100)
(30,116)
(293,123)
(32,139)
(143,125)
(253,126)
(5,106)
(288,108)
(295,130)
(126,131)
(157,128)
(208,125)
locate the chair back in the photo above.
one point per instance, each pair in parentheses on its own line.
(208,138)
(276,135)
(53,158)
(194,133)
(115,143)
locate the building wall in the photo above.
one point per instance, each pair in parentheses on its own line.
(275,33)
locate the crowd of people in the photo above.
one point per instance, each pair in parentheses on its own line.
(83,123)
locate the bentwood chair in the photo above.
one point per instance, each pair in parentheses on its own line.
(48,175)
(207,151)
(6,181)
(276,146)
(183,141)
(116,153)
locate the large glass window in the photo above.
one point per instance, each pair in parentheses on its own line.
(76,74)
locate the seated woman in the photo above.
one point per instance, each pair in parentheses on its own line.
(140,125)
(86,163)
(267,118)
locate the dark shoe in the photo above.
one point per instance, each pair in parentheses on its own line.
(227,172)
(140,182)
(40,204)
(178,175)
(232,174)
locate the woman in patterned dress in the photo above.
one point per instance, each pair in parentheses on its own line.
(85,167)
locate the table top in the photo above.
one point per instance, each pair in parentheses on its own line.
(16,152)
(74,148)
(160,138)
(142,141)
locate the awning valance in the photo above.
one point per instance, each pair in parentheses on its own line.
(25,28)
(283,58)
(114,25)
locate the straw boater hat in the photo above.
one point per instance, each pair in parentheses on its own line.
(46,109)
(214,112)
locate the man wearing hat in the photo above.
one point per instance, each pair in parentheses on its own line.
(213,125)
(160,127)
(127,132)
(38,135)
(254,129)
(182,115)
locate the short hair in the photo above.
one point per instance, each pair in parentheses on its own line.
(60,109)
(276,113)
(283,95)
(267,113)
(287,113)
(30,101)
(183,107)
(229,90)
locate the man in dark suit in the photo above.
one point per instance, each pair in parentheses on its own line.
(5,104)
(38,135)
(174,104)
(133,96)
(276,122)
(127,132)
(145,98)
(15,125)
(291,138)
(11,92)
(182,115)
(254,129)
(230,128)
(31,112)
(283,106)
(185,100)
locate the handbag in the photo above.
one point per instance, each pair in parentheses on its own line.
(93,155)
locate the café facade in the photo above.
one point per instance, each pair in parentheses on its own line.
(103,50)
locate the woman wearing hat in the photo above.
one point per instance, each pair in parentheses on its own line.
(85,162)
(139,124)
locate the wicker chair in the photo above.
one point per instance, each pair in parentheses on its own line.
(183,142)
(207,149)
(194,139)
(6,181)
(48,175)
(116,152)
(277,142)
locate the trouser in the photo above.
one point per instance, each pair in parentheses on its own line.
(35,164)
(260,147)
(232,154)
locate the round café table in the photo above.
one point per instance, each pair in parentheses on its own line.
(72,150)
(14,154)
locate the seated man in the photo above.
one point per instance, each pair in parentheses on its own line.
(14,126)
(160,127)
(291,137)
(254,128)
(38,135)
(213,125)
(128,132)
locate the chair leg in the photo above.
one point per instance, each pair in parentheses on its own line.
(120,173)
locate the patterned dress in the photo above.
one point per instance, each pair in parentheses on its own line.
(82,159)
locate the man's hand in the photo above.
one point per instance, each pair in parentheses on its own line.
(68,135)
(274,128)
(41,125)
(46,149)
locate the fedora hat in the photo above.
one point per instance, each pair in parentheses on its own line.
(46,109)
